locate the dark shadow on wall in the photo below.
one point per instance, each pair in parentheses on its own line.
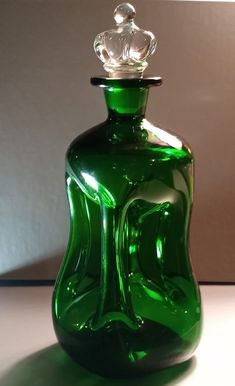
(52,367)
(45,268)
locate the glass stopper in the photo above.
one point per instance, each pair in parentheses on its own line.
(124,50)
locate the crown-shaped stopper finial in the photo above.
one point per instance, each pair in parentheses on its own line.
(124,50)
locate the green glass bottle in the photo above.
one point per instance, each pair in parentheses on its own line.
(126,301)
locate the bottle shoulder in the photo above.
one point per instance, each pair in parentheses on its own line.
(130,137)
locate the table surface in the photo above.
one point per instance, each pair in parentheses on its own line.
(30,355)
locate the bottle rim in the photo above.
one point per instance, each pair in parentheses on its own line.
(105,82)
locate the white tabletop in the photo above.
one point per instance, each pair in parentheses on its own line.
(30,356)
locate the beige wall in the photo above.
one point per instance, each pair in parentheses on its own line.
(46,60)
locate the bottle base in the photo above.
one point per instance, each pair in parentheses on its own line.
(122,353)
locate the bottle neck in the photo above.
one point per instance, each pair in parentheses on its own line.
(126,98)
(126,103)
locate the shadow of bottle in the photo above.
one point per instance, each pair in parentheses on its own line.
(52,367)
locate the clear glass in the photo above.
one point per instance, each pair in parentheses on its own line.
(126,301)
(125,49)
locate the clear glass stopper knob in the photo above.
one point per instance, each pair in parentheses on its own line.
(124,50)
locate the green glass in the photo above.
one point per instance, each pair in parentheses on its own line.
(126,301)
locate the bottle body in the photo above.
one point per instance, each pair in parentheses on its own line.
(126,301)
